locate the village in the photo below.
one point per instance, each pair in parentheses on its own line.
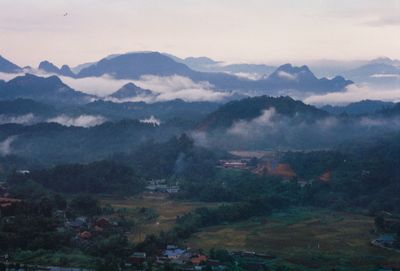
(267,163)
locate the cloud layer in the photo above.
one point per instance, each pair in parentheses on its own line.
(355,93)
(164,87)
(80,121)
(5,145)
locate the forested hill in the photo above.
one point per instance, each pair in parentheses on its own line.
(253,107)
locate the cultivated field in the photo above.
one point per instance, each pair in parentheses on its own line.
(303,237)
(166,209)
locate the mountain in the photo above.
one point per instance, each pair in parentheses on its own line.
(205,64)
(386,60)
(51,143)
(381,71)
(66,71)
(359,108)
(51,68)
(50,89)
(286,77)
(134,65)
(301,78)
(130,91)
(393,111)
(25,106)
(251,108)
(48,67)
(175,109)
(7,66)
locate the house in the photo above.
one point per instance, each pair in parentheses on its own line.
(216,265)
(23,171)
(137,258)
(102,222)
(326,177)
(197,259)
(233,164)
(85,235)
(173,252)
(173,189)
(9,202)
(385,240)
(3,189)
(8,205)
(78,223)
(156,185)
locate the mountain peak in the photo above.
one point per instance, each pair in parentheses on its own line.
(133,65)
(7,66)
(66,71)
(130,90)
(294,69)
(44,89)
(51,68)
(29,78)
(47,66)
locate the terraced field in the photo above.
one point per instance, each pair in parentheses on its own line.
(307,238)
(166,209)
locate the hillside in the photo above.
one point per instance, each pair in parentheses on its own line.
(7,66)
(250,108)
(286,77)
(358,108)
(51,143)
(44,89)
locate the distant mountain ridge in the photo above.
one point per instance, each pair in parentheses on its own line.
(51,68)
(8,67)
(50,90)
(359,108)
(135,65)
(206,64)
(21,106)
(130,91)
(301,78)
(381,71)
(250,108)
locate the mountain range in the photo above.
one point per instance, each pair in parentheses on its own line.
(50,90)
(359,108)
(7,66)
(250,108)
(49,67)
(131,91)
(134,65)
(205,64)
(383,72)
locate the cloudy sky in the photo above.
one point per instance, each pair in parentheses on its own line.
(231,30)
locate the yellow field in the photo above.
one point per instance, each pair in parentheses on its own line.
(167,209)
(302,237)
(313,239)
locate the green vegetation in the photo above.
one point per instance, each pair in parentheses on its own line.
(304,239)
(96,177)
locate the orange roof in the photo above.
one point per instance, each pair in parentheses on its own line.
(326,177)
(85,235)
(198,259)
(9,200)
(284,170)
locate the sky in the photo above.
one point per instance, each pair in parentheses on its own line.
(257,31)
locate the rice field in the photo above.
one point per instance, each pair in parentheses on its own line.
(302,237)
